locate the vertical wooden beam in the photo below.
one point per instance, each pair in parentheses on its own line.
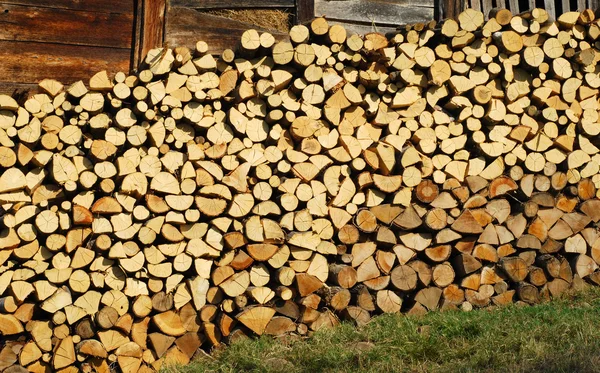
(138,11)
(501,4)
(154,25)
(451,8)
(149,28)
(305,11)
(549,6)
(487,6)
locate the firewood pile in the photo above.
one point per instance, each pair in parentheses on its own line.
(287,186)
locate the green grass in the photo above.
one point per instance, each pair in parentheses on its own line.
(560,336)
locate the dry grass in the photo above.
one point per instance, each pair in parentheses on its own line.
(272,19)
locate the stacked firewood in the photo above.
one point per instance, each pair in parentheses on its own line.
(291,184)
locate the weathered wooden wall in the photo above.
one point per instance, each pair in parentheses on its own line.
(149,28)
(70,40)
(364,16)
(63,39)
(554,7)
(188,21)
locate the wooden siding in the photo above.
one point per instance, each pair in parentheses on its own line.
(231,4)
(188,21)
(105,6)
(186,26)
(450,8)
(379,12)
(24,62)
(66,40)
(50,25)
(69,40)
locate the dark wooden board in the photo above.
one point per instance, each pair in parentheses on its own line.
(398,12)
(186,26)
(8,88)
(363,28)
(29,62)
(383,6)
(106,6)
(452,8)
(28,23)
(305,10)
(152,27)
(231,4)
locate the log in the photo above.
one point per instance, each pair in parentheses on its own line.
(288,184)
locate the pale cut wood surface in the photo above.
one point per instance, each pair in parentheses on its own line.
(282,187)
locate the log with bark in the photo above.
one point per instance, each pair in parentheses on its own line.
(286,185)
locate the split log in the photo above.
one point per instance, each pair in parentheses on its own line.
(304,178)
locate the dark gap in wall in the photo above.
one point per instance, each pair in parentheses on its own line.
(539,3)
(523,6)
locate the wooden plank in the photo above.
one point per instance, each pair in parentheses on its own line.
(379,12)
(566,7)
(8,88)
(549,6)
(487,6)
(501,4)
(580,5)
(514,6)
(29,62)
(362,29)
(531,5)
(475,4)
(186,26)
(593,4)
(451,8)
(305,10)
(231,4)
(105,6)
(28,23)
(136,50)
(153,26)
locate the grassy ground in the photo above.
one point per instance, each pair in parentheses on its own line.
(560,336)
